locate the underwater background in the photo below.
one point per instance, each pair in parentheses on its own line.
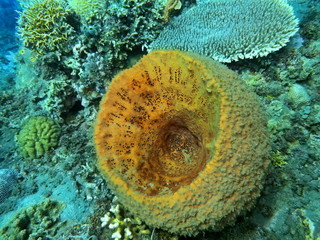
(57,59)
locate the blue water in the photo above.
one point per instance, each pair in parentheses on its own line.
(8,42)
(8,15)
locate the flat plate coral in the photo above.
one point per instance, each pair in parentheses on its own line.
(230,30)
(182,142)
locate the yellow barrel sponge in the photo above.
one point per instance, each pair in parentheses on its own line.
(182,142)
(37,136)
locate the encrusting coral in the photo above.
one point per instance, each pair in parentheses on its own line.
(37,136)
(34,222)
(230,30)
(182,142)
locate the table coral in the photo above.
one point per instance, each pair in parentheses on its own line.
(37,136)
(182,142)
(230,30)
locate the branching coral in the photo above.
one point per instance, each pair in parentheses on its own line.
(182,142)
(278,160)
(87,9)
(38,136)
(43,26)
(123,227)
(132,25)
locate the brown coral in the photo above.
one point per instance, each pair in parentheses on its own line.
(182,142)
(170,6)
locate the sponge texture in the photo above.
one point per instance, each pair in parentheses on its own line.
(182,142)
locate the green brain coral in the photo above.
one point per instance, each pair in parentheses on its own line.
(37,136)
(44,27)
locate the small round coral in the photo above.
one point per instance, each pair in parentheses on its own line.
(182,142)
(37,136)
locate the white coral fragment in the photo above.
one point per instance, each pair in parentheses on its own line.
(105,220)
(116,235)
(114,224)
(127,233)
(115,209)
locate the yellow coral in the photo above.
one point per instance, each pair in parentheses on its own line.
(278,160)
(37,136)
(182,142)
(43,26)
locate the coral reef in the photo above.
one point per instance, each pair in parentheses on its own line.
(36,222)
(232,30)
(99,44)
(87,9)
(44,26)
(298,95)
(8,178)
(165,145)
(66,85)
(37,136)
(295,220)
